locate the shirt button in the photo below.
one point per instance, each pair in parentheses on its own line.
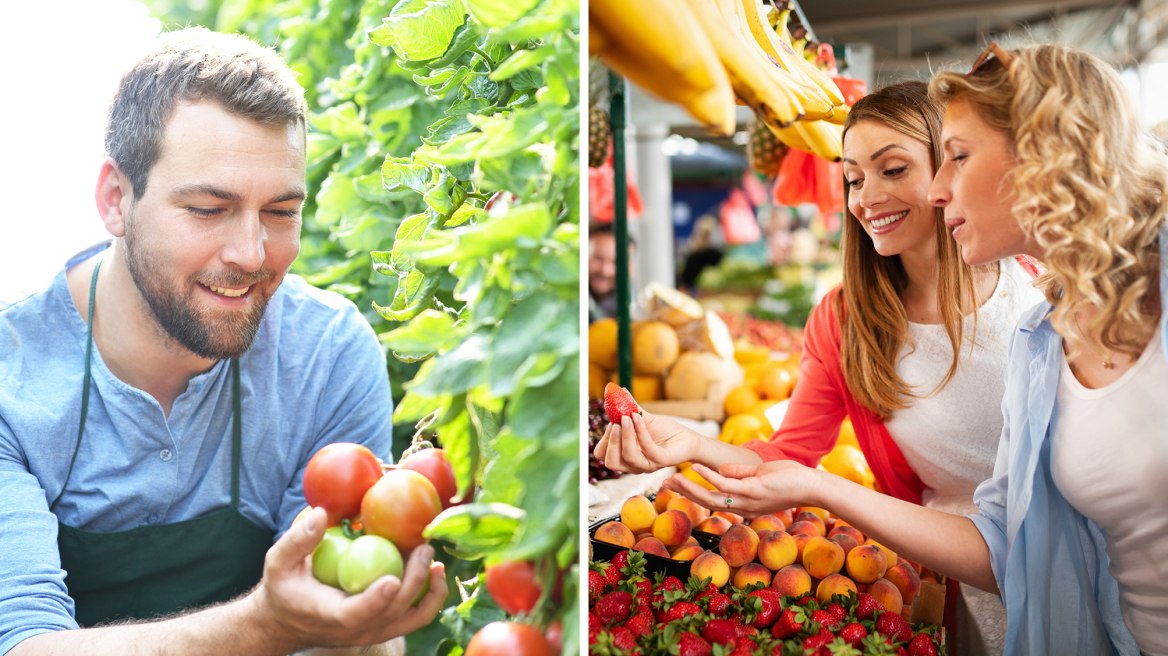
(152,519)
(1003,294)
(166,455)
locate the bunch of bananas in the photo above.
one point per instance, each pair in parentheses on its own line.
(704,53)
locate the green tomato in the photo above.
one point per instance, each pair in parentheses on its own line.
(367,559)
(327,555)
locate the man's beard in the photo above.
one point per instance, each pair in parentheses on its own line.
(211,335)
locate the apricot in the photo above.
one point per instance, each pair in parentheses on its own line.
(752,573)
(844,540)
(739,545)
(662,500)
(716,525)
(777,549)
(638,513)
(686,551)
(867,563)
(691,509)
(847,530)
(889,553)
(807,516)
(886,594)
(767,523)
(651,545)
(615,533)
(804,528)
(729,516)
(672,527)
(822,557)
(791,580)
(906,580)
(711,566)
(833,584)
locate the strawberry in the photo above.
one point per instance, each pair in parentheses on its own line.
(745,629)
(816,641)
(853,633)
(922,645)
(623,638)
(824,618)
(718,604)
(900,651)
(893,626)
(722,632)
(640,624)
(770,608)
(619,562)
(618,403)
(669,582)
(805,601)
(744,648)
(614,607)
(642,604)
(692,645)
(837,610)
(866,606)
(679,610)
(596,583)
(790,623)
(641,585)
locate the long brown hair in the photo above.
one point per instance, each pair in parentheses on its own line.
(875,325)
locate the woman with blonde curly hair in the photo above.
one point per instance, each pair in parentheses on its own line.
(1044,156)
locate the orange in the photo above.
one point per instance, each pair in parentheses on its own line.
(740,400)
(776,383)
(848,462)
(596,381)
(602,344)
(697,478)
(740,429)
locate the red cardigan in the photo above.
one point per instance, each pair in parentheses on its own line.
(811,426)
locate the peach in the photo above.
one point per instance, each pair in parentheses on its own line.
(691,539)
(671,527)
(889,553)
(734,572)
(822,557)
(906,580)
(615,533)
(686,551)
(806,516)
(829,523)
(739,545)
(791,580)
(886,594)
(777,550)
(729,516)
(916,566)
(804,528)
(819,512)
(833,584)
(844,540)
(641,536)
(691,509)
(763,533)
(651,546)
(711,566)
(785,516)
(752,573)
(715,525)
(840,521)
(767,523)
(867,563)
(847,530)
(637,513)
(662,500)
(800,542)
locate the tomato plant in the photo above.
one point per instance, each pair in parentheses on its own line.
(509,639)
(399,507)
(367,559)
(513,586)
(337,478)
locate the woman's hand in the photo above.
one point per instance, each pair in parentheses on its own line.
(645,443)
(753,490)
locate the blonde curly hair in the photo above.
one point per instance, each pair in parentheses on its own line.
(1090,185)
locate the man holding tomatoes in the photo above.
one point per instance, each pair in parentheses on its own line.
(160,401)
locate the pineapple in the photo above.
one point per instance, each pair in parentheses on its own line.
(764,151)
(599,134)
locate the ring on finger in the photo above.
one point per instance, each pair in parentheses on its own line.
(729,501)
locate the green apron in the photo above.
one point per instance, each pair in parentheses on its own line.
(151,571)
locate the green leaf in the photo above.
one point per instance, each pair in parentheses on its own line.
(414,406)
(470,616)
(525,222)
(456,371)
(460,439)
(411,231)
(403,172)
(464,38)
(498,13)
(342,122)
(464,213)
(521,61)
(420,29)
(550,503)
(446,129)
(427,333)
(415,291)
(530,415)
(476,527)
(518,338)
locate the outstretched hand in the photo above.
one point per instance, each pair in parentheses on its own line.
(645,443)
(753,490)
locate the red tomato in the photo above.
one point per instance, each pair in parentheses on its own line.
(513,586)
(337,478)
(555,636)
(509,639)
(399,506)
(432,464)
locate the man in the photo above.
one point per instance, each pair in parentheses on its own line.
(602,270)
(160,400)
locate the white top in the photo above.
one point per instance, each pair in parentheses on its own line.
(1109,458)
(950,438)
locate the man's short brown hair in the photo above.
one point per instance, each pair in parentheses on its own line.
(194,64)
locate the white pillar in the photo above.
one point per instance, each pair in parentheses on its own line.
(654,230)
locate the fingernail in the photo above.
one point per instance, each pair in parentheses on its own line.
(427,553)
(626,423)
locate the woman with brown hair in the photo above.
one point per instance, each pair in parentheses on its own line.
(1045,156)
(912,343)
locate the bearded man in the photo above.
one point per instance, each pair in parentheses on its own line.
(160,401)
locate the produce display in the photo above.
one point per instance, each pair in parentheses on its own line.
(780,584)
(597,422)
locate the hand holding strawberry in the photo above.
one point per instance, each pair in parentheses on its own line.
(639,442)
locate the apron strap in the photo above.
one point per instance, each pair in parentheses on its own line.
(85,388)
(236,433)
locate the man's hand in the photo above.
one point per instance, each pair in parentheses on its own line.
(755,489)
(295,608)
(645,444)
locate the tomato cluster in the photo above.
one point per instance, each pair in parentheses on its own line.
(386,513)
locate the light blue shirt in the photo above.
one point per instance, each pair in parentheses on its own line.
(314,375)
(1050,561)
